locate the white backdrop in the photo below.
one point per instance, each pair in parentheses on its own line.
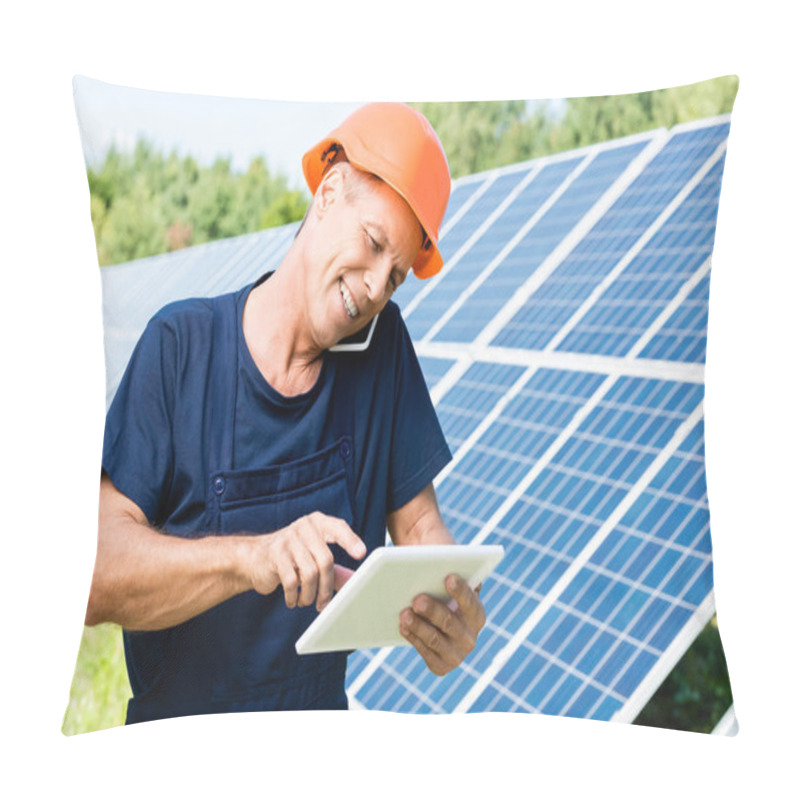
(53,384)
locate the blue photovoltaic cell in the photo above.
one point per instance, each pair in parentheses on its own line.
(496,191)
(554,302)
(359,659)
(487,247)
(638,295)
(591,474)
(683,336)
(477,485)
(523,260)
(611,624)
(459,195)
(475,394)
(134,291)
(434,369)
(467,498)
(479,255)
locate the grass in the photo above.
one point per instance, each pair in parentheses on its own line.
(693,697)
(100,690)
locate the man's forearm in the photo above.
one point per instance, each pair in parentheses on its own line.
(419,521)
(435,532)
(146,580)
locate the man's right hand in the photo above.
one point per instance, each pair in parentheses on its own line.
(146,580)
(299,559)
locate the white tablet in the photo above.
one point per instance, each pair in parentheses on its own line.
(365,612)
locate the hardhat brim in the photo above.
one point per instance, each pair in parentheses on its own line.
(429,260)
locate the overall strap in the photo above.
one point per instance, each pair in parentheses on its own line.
(222,397)
(343,424)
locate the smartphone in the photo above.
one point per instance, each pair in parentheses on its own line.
(359,341)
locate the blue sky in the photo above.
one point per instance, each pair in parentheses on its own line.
(201,126)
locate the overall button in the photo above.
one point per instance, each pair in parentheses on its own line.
(344,450)
(219,485)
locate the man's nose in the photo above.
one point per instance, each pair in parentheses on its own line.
(376,278)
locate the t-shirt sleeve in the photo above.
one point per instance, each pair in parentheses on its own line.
(137,445)
(419,449)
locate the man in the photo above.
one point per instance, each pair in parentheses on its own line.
(247,467)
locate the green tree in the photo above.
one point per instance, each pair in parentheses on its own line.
(471,132)
(144,203)
(697,692)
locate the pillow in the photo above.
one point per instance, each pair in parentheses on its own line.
(562,345)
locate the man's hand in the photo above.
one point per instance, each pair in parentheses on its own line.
(298,558)
(442,636)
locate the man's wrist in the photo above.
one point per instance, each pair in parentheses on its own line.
(242,559)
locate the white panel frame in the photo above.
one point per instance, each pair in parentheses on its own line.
(669,658)
(487,271)
(571,240)
(728,725)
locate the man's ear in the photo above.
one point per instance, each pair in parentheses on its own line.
(330,189)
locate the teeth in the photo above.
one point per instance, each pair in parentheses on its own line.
(348,300)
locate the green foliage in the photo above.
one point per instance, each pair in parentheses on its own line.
(472,132)
(486,134)
(697,692)
(100,690)
(144,203)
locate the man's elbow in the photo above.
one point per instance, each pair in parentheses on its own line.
(93,617)
(97,606)
(104,593)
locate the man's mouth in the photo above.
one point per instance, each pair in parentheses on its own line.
(349,303)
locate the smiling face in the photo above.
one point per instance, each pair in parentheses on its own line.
(360,247)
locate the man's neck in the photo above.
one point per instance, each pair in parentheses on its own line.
(275,332)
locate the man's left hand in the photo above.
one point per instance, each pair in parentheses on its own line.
(442,636)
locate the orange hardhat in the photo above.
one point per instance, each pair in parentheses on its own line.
(396,143)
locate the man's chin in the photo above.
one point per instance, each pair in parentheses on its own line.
(353,331)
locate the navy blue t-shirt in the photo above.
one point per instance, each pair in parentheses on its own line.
(155,445)
(194,424)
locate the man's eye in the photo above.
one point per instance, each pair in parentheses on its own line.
(374,244)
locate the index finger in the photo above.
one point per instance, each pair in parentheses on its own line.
(337,531)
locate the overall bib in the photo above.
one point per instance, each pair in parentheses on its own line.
(239,655)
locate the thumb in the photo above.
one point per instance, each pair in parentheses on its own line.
(340,576)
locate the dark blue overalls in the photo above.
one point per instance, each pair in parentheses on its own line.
(240,656)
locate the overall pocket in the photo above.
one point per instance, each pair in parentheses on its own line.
(253,635)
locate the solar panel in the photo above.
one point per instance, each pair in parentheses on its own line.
(683,335)
(547,223)
(591,475)
(563,344)
(434,369)
(625,224)
(134,291)
(660,268)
